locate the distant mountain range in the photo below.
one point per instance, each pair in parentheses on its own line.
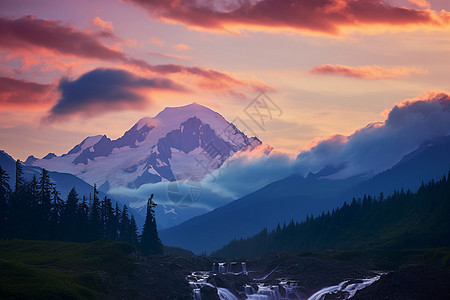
(179,142)
(64,181)
(295,196)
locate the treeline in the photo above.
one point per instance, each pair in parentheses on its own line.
(404,220)
(35,210)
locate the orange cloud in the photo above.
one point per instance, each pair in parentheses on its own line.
(420,3)
(330,17)
(180,47)
(167,55)
(367,72)
(25,95)
(105,25)
(156,41)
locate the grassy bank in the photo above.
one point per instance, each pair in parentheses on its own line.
(60,270)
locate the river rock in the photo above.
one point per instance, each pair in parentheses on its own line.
(209,293)
(410,282)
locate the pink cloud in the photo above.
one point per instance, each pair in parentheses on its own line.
(29,33)
(329,17)
(25,95)
(52,38)
(105,25)
(420,3)
(180,47)
(367,72)
(156,41)
(168,55)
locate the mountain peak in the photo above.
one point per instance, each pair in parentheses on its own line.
(172,116)
(154,149)
(193,107)
(49,155)
(146,121)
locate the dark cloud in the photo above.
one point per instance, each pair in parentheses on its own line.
(104,90)
(23,94)
(320,16)
(379,146)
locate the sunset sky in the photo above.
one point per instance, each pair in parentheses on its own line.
(70,69)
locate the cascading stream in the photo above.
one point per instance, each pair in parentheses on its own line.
(258,290)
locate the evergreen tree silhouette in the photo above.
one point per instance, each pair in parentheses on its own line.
(44,205)
(35,210)
(150,242)
(70,217)
(134,232)
(109,220)
(20,207)
(95,217)
(20,180)
(83,221)
(5,193)
(124,226)
(56,211)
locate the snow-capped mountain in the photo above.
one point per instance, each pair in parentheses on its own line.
(188,141)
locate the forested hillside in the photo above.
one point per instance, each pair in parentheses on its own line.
(35,211)
(404,220)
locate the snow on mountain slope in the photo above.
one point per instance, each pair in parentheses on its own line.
(191,140)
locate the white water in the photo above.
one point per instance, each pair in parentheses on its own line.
(272,292)
(283,291)
(225,294)
(267,275)
(261,292)
(244,267)
(221,267)
(344,287)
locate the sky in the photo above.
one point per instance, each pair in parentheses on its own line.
(71,69)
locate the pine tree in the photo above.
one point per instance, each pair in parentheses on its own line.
(20,180)
(70,216)
(134,232)
(83,224)
(95,217)
(44,204)
(150,242)
(19,219)
(5,192)
(117,214)
(109,220)
(56,211)
(124,226)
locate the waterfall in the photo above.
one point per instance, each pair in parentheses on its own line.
(196,294)
(345,286)
(225,294)
(249,290)
(259,290)
(272,292)
(229,268)
(222,267)
(244,267)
